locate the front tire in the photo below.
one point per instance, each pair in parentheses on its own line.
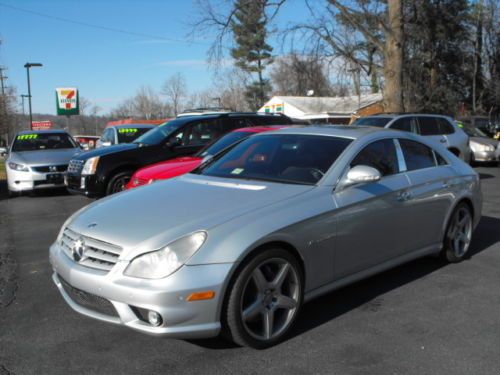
(458,234)
(264,299)
(117,182)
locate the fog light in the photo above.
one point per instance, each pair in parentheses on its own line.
(82,183)
(154,318)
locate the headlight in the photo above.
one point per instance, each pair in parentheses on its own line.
(90,165)
(18,167)
(164,262)
(486,147)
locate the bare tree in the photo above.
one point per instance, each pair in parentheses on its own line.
(145,104)
(296,75)
(175,89)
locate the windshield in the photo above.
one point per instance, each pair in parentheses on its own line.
(379,122)
(127,135)
(160,133)
(473,132)
(43,141)
(285,158)
(224,142)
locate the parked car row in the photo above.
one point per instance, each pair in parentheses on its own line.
(261,217)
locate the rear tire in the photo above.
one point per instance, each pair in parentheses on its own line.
(117,182)
(264,300)
(458,234)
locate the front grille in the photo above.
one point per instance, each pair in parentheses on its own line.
(51,168)
(75,166)
(88,300)
(97,254)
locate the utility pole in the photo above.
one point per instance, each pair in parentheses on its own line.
(28,66)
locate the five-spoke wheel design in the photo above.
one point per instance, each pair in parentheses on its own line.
(265,299)
(458,234)
(270,299)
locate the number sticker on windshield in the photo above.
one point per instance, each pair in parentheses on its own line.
(23,137)
(127,130)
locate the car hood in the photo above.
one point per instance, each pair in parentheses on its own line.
(170,168)
(107,150)
(44,157)
(146,219)
(484,141)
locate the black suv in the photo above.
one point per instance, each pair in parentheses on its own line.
(107,170)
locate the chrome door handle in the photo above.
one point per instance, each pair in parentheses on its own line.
(442,140)
(446,185)
(404,196)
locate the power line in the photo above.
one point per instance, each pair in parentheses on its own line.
(100,27)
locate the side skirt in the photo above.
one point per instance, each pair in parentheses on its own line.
(337,284)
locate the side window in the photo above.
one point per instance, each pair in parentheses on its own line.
(105,137)
(440,160)
(417,155)
(380,155)
(200,133)
(237,122)
(404,123)
(428,126)
(445,126)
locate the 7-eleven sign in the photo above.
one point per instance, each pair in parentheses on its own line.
(67,101)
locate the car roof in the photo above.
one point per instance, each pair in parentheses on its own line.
(55,131)
(125,126)
(344,131)
(259,129)
(398,114)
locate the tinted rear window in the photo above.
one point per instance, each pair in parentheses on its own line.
(127,135)
(379,122)
(417,155)
(429,126)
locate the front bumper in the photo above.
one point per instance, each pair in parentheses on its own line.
(130,296)
(88,185)
(485,156)
(27,181)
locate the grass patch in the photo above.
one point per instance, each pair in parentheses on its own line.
(3,175)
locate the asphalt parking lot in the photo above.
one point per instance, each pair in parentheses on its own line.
(421,318)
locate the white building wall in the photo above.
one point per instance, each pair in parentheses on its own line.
(276,103)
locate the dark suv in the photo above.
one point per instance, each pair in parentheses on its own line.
(107,170)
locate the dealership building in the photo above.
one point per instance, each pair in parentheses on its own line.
(332,110)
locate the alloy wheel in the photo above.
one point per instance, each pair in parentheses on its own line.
(270,299)
(460,232)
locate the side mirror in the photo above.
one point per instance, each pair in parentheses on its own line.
(360,174)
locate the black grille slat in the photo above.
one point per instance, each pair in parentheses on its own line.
(88,300)
(47,168)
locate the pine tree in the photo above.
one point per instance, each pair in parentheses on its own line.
(252,54)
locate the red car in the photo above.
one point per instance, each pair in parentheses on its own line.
(176,167)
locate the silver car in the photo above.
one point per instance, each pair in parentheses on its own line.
(238,245)
(439,129)
(484,149)
(38,160)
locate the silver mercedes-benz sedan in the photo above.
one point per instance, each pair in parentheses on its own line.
(239,244)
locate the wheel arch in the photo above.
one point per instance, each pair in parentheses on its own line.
(455,151)
(260,247)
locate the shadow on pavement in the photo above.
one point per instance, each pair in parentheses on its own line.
(485,176)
